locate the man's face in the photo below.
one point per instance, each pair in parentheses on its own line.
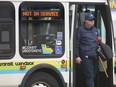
(89,23)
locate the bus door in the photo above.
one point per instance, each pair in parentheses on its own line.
(71,27)
(103,24)
(114,60)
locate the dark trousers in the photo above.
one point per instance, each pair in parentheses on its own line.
(90,69)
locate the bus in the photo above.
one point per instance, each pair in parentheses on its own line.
(37,42)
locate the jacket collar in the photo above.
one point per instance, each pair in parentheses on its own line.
(88,27)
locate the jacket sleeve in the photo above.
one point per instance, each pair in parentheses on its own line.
(77,41)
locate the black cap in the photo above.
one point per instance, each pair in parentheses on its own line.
(89,16)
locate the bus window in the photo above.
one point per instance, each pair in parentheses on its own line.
(7,23)
(41,29)
(101,27)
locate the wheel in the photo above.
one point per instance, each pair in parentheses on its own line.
(41,79)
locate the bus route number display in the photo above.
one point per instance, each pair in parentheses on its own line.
(29,13)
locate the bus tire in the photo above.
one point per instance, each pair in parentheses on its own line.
(41,79)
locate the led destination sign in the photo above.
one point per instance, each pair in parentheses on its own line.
(27,13)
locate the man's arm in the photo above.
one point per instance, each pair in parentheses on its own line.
(77,41)
(78,59)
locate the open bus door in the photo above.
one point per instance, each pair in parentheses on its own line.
(104,24)
(72,40)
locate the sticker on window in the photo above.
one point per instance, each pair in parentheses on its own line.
(46,50)
(59,35)
(58,42)
(30,49)
(58,50)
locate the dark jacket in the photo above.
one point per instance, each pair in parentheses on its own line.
(86,44)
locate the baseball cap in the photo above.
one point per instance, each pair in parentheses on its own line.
(89,16)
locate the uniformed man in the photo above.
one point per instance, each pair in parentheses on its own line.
(86,46)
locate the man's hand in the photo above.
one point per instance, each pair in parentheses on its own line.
(78,60)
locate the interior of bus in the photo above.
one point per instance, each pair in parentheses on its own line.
(103,23)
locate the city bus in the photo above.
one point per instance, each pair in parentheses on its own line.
(37,42)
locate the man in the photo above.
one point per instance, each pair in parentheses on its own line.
(86,49)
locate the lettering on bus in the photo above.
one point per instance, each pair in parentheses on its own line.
(30,49)
(24,63)
(6,64)
(16,63)
(40,13)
